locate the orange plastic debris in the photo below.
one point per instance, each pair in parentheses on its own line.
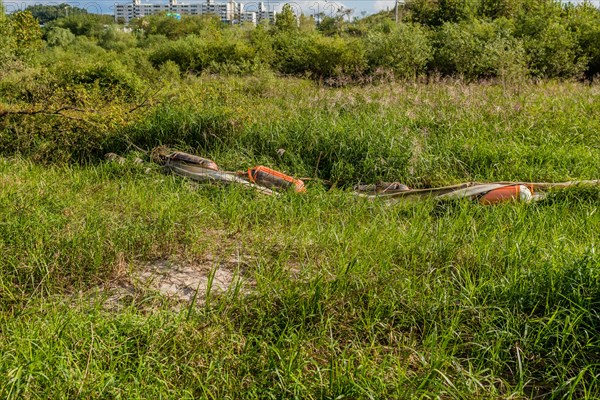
(507,193)
(274,179)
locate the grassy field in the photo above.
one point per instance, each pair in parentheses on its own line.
(343,298)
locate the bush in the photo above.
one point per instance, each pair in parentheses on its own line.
(438,12)
(319,56)
(479,49)
(193,54)
(59,37)
(206,26)
(584,22)
(109,78)
(555,52)
(90,25)
(22,36)
(406,50)
(114,38)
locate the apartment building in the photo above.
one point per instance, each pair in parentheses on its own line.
(230,11)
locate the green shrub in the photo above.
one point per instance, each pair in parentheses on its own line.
(114,38)
(90,25)
(205,26)
(479,49)
(405,50)
(109,78)
(319,56)
(584,22)
(59,37)
(193,54)
(555,52)
(438,12)
(20,36)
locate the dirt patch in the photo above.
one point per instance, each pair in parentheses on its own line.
(184,282)
(177,282)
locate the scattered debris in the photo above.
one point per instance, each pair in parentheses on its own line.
(274,179)
(267,181)
(486,193)
(382,187)
(193,160)
(200,169)
(507,193)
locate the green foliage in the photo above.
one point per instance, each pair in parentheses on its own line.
(7,41)
(584,22)
(555,52)
(331,26)
(114,38)
(20,39)
(108,77)
(319,56)
(26,30)
(204,26)
(506,39)
(59,37)
(47,13)
(405,50)
(499,8)
(286,20)
(479,49)
(194,54)
(438,12)
(90,25)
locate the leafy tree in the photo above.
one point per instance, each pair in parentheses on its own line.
(59,37)
(479,49)
(90,25)
(26,30)
(584,22)
(555,52)
(405,50)
(21,35)
(7,42)
(114,38)
(47,13)
(161,24)
(306,23)
(438,12)
(498,8)
(286,21)
(331,26)
(533,16)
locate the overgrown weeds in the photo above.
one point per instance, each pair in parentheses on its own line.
(352,298)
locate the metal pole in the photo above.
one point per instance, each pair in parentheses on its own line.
(396,11)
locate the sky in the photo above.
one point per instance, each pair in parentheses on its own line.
(309,7)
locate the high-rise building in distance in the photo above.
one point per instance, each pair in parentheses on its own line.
(230,11)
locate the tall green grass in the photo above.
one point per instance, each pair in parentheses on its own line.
(419,134)
(347,298)
(352,299)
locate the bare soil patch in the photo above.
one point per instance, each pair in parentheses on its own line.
(177,282)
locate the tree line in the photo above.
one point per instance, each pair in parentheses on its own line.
(473,39)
